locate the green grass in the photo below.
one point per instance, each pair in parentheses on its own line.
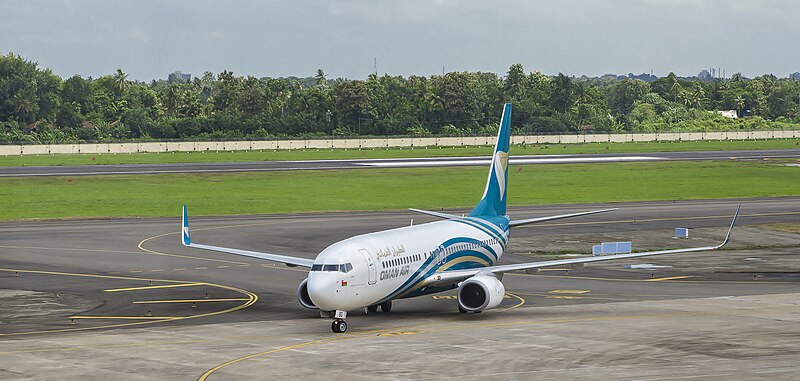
(385,189)
(249,156)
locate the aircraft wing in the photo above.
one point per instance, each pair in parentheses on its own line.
(290,261)
(450,277)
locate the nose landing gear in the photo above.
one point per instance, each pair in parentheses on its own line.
(339,326)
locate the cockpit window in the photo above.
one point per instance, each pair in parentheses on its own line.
(343,268)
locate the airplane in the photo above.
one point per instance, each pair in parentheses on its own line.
(371,270)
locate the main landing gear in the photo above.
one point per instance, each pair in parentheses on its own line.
(385,307)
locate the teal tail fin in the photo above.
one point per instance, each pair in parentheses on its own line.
(493,202)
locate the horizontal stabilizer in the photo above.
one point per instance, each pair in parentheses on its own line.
(558,217)
(435,214)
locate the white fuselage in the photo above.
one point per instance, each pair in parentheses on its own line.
(373,268)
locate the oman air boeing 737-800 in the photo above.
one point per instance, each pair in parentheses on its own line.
(461,252)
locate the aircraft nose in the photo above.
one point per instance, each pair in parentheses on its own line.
(322,291)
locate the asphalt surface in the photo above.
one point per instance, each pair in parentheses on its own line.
(268,166)
(122,299)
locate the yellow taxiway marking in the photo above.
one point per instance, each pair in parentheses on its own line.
(154,287)
(569,291)
(445,328)
(401,333)
(453,297)
(191,300)
(509,295)
(668,278)
(126,317)
(551,296)
(252,299)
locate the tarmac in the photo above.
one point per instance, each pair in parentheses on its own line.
(122,299)
(271,166)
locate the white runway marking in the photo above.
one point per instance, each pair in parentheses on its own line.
(558,160)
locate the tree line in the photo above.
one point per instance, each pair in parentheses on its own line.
(39,106)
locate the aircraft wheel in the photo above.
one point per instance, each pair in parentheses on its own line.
(372,308)
(386,306)
(461,309)
(339,326)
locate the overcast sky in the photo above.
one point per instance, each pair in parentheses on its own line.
(151,38)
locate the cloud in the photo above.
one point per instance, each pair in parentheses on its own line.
(150,38)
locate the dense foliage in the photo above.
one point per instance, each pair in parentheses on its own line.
(36,105)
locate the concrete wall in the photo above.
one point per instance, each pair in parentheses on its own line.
(121,148)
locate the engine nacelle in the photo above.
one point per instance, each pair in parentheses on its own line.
(303,297)
(481,292)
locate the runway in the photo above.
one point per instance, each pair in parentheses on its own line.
(269,166)
(122,299)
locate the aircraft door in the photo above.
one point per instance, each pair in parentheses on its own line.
(371,269)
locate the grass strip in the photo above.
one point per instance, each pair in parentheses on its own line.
(385,189)
(281,155)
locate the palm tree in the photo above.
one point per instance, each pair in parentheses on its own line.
(739,105)
(121,80)
(320,77)
(674,86)
(696,97)
(686,97)
(172,99)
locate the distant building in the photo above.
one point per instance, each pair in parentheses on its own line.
(705,75)
(644,77)
(179,77)
(728,113)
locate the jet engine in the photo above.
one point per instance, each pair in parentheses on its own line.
(302,295)
(481,292)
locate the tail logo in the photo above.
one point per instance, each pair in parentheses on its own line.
(501,163)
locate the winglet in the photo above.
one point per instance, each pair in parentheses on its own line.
(185,228)
(730,229)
